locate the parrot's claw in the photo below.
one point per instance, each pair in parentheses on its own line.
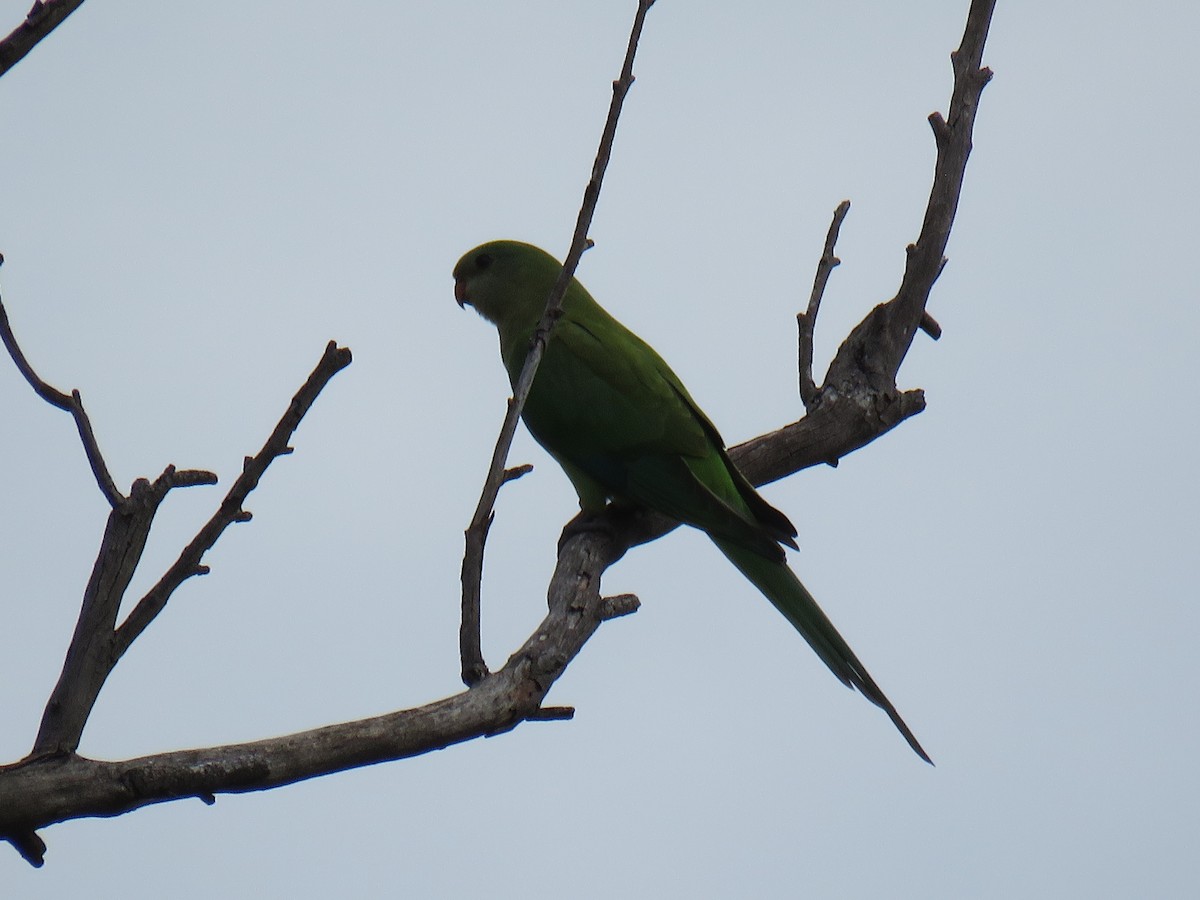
(585,523)
(608,522)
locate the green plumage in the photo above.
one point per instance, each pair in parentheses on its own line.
(623,426)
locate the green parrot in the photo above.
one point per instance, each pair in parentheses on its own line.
(623,427)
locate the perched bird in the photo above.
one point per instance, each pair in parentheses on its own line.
(623,427)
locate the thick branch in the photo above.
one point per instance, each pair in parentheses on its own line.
(44,17)
(473,665)
(41,791)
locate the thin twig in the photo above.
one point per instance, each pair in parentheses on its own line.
(551,714)
(930,326)
(230,511)
(474,668)
(71,403)
(44,17)
(517,472)
(30,845)
(806,321)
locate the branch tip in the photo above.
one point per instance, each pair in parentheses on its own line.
(30,845)
(930,326)
(619,605)
(516,472)
(551,714)
(941,130)
(193,478)
(336,358)
(911,403)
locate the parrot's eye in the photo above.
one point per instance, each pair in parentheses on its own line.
(483,260)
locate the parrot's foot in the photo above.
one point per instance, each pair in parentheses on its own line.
(608,521)
(585,523)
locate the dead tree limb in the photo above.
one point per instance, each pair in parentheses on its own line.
(97,643)
(72,403)
(42,18)
(857,402)
(806,321)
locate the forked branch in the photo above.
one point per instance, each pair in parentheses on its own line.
(857,403)
(97,644)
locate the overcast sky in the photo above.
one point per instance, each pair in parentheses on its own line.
(196,197)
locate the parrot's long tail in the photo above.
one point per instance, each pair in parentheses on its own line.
(781,586)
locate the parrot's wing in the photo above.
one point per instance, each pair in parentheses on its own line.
(640,433)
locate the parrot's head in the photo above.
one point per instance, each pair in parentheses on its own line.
(506,281)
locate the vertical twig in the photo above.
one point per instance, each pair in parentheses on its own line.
(806,321)
(473,666)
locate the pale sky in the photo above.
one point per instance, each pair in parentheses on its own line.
(198,196)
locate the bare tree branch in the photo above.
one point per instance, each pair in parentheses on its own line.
(870,357)
(43,18)
(473,665)
(72,403)
(89,657)
(98,644)
(807,321)
(230,511)
(39,791)
(857,403)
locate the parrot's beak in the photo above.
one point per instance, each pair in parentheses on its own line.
(460,293)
